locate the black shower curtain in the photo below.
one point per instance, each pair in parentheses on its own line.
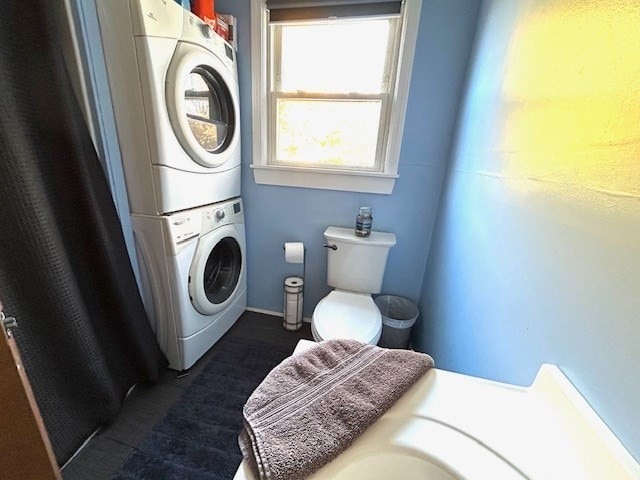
(64,269)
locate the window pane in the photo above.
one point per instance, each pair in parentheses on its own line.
(328,132)
(344,57)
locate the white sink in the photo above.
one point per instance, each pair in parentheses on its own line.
(450,426)
(417,448)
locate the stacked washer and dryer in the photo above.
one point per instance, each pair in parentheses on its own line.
(174,87)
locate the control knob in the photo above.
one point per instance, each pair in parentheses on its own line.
(206,30)
(219,215)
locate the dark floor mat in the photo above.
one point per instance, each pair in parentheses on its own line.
(197,439)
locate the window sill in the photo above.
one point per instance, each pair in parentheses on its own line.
(363,182)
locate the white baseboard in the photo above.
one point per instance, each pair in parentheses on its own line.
(273,313)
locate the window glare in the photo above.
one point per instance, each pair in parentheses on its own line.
(338,57)
(329,133)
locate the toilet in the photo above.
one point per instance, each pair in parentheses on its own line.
(355,269)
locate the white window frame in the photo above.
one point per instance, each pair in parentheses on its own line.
(352,180)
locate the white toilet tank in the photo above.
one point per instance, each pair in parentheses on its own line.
(358,263)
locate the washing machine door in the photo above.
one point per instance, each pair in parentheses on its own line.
(216,270)
(203,106)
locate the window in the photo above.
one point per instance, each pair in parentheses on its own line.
(330,89)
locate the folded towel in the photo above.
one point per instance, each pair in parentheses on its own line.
(315,404)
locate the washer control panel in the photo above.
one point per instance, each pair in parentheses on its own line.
(185,226)
(222,214)
(190,224)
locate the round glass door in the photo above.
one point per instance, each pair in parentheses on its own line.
(222,270)
(209,109)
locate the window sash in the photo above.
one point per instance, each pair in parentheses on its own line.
(385,97)
(383,125)
(274,46)
(275,4)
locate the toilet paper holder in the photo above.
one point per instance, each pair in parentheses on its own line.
(292,316)
(294,287)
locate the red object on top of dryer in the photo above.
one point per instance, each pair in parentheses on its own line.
(222,27)
(205,9)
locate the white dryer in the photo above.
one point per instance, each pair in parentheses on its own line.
(174,86)
(194,284)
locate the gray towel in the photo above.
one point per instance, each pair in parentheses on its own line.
(315,404)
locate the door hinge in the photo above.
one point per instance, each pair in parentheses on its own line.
(8,323)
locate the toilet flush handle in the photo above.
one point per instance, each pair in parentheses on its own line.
(332,247)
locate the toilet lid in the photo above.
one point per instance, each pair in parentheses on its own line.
(347,315)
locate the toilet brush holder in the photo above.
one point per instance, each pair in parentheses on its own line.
(293,303)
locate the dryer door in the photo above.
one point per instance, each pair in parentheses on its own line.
(216,270)
(202,101)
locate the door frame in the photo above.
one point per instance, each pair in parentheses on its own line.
(27,451)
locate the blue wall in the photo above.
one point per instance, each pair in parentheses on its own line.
(536,253)
(275,215)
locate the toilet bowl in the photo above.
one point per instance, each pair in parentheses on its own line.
(355,269)
(347,315)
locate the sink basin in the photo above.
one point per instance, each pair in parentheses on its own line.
(393,465)
(416,448)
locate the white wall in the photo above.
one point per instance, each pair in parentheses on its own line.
(536,252)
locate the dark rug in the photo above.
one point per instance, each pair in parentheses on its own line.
(197,439)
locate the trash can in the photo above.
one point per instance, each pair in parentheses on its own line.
(398,317)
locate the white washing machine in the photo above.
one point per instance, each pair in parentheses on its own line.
(194,284)
(174,85)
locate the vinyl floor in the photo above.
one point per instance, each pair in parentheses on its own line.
(147,405)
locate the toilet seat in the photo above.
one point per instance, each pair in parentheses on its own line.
(347,315)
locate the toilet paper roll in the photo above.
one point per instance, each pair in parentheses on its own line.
(293,314)
(294,252)
(294,307)
(293,284)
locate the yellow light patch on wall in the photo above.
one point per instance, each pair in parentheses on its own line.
(572,95)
